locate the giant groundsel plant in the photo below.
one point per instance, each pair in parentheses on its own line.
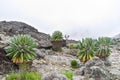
(21,49)
(86,49)
(103,50)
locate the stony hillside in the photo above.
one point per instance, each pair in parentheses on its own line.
(50,63)
(13,27)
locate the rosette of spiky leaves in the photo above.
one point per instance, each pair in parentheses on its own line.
(21,49)
(103,47)
(86,49)
(57,36)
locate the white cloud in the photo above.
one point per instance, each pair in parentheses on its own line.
(74,17)
(83,12)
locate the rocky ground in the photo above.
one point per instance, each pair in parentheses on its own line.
(57,62)
(115,62)
(60,62)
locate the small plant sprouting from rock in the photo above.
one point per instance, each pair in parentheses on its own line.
(69,75)
(74,64)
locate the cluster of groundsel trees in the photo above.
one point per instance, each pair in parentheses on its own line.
(88,48)
(21,50)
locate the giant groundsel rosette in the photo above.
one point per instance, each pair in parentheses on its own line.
(21,49)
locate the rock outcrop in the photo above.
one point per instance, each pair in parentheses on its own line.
(13,28)
(95,69)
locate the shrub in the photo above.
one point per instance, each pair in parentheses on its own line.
(74,64)
(87,48)
(24,76)
(57,36)
(69,75)
(73,46)
(21,49)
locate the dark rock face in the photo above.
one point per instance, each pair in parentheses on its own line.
(5,63)
(0,38)
(13,28)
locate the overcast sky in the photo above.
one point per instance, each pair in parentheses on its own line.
(77,18)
